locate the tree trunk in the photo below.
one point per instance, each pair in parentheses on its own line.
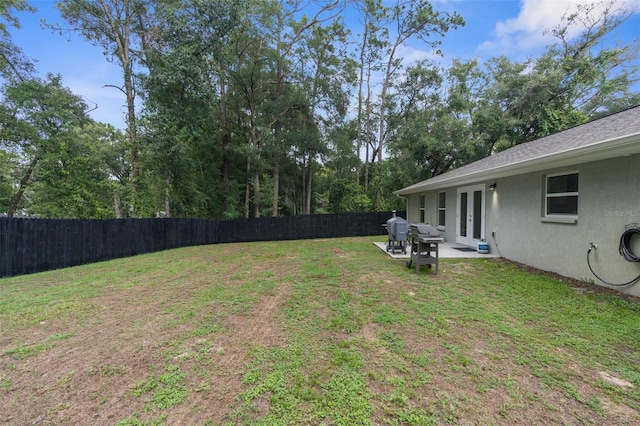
(247,190)
(381,124)
(133,143)
(224,170)
(276,122)
(276,185)
(307,206)
(121,33)
(23,184)
(225,179)
(253,142)
(304,183)
(167,205)
(116,205)
(256,193)
(365,37)
(367,140)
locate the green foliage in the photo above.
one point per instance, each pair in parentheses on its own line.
(112,371)
(495,106)
(347,399)
(76,177)
(13,65)
(8,167)
(242,107)
(38,118)
(7,7)
(345,196)
(167,389)
(26,351)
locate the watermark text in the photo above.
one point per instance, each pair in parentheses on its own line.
(622,213)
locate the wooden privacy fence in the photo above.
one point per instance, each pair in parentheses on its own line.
(34,245)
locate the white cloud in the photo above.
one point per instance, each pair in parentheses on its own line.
(411,55)
(524,33)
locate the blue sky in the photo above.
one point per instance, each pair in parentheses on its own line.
(493,27)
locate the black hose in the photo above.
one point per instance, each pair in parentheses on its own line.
(625,251)
(493,235)
(608,283)
(625,242)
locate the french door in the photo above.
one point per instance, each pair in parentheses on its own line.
(470,209)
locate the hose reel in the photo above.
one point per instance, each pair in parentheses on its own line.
(625,242)
(625,251)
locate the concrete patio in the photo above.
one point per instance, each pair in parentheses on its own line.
(445,251)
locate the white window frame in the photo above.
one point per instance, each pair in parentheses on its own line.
(422,203)
(442,209)
(560,194)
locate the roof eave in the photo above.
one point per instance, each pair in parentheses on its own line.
(611,148)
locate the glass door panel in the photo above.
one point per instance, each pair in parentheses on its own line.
(463,214)
(470,211)
(477,215)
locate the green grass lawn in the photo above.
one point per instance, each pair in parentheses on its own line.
(313,332)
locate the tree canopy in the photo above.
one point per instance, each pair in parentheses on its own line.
(245,108)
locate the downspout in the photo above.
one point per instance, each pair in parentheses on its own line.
(406,204)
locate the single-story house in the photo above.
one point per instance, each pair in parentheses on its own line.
(544,202)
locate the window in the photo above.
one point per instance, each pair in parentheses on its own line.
(561,194)
(422,205)
(442,203)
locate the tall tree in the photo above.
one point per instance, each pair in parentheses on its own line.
(374,31)
(408,19)
(14,67)
(37,116)
(433,132)
(286,31)
(251,89)
(76,177)
(119,27)
(327,81)
(13,64)
(9,164)
(480,109)
(567,85)
(187,133)
(592,72)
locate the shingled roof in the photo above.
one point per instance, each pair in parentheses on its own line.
(612,136)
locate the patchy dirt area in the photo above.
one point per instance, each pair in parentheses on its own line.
(173,343)
(86,378)
(88,370)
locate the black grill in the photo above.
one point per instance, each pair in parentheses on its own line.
(397,230)
(424,245)
(425,231)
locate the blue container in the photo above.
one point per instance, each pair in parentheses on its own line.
(483,247)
